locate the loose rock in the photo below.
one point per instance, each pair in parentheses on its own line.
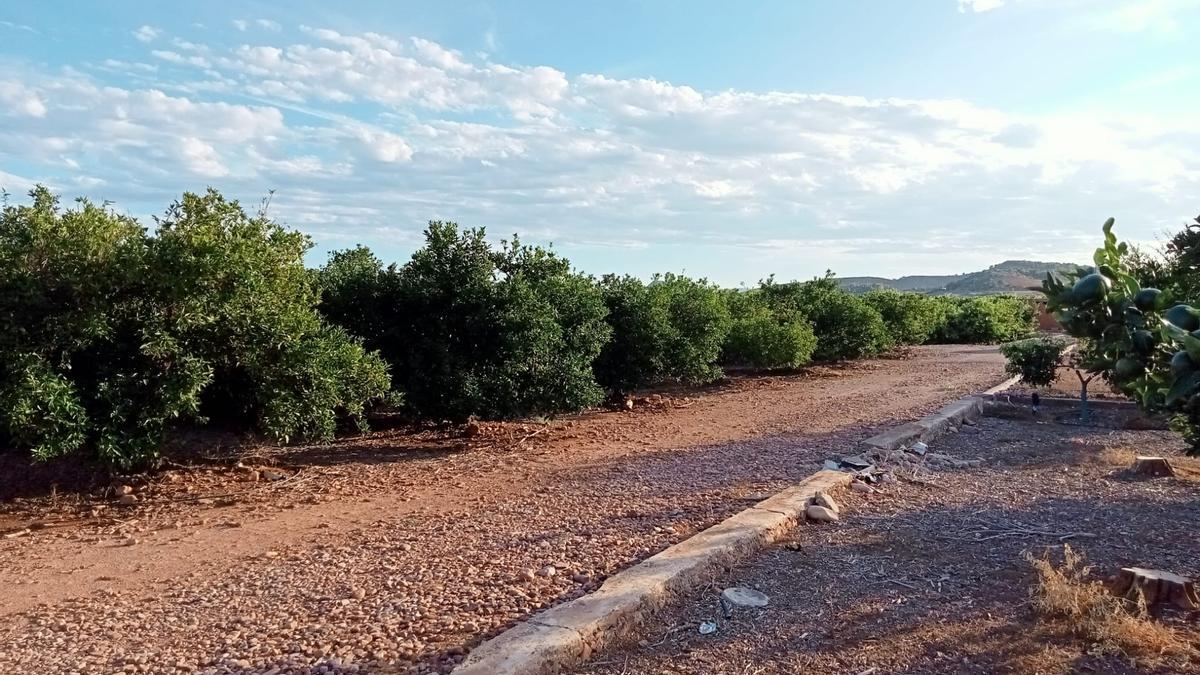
(820,514)
(824,500)
(744,597)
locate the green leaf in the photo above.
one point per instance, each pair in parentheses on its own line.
(1192,345)
(1183,387)
(1172,332)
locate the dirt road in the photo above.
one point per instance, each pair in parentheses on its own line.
(397,552)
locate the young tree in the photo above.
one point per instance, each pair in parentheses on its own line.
(1038,360)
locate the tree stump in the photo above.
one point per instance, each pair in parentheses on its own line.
(1152,466)
(1156,587)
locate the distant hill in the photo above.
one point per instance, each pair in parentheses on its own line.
(1010,276)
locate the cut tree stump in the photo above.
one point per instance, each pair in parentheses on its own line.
(1152,466)
(1156,587)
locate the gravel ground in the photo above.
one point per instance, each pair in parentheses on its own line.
(932,577)
(399,551)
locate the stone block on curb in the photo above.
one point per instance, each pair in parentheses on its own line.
(795,499)
(525,649)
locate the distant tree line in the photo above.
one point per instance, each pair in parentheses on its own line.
(115,334)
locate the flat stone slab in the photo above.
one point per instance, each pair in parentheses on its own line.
(568,634)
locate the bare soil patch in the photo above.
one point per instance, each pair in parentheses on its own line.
(936,577)
(397,552)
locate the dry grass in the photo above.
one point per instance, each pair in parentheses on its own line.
(1121,457)
(1068,599)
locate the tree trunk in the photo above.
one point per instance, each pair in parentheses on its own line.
(1152,466)
(1156,586)
(1085,414)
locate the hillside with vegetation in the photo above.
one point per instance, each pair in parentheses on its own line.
(1010,276)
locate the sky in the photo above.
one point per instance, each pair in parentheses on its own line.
(719,139)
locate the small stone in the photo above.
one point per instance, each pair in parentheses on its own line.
(744,597)
(124,490)
(581,578)
(527,575)
(127,499)
(820,514)
(547,571)
(825,501)
(358,594)
(861,487)
(887,479)
(272,475)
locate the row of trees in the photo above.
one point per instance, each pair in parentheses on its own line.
(473,330)
(114,334)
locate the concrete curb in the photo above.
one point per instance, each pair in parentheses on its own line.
(929,427)
(1007,384)
(566,635)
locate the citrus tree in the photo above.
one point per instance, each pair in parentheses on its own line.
(1038,360)
(1145,343)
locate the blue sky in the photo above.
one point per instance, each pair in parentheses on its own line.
(724,140)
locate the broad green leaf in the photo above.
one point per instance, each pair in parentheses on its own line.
(1182,387)
(1192,345)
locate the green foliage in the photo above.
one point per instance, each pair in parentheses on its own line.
(636,354)
(354,292)
(669,329)
(760,338)
(42,409)
(234,290)
(911,318)
(846,326)
(1143,341)
(1036,360)
(476,331)
(985,319)
(698,322)
(114,336)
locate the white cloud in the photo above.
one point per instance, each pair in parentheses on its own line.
(20,26)
(180,59)
(384,146)
(19,99)
(1137,16)
(201,158)
(265,24)
(367,136)
(147,33)
(979,5)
